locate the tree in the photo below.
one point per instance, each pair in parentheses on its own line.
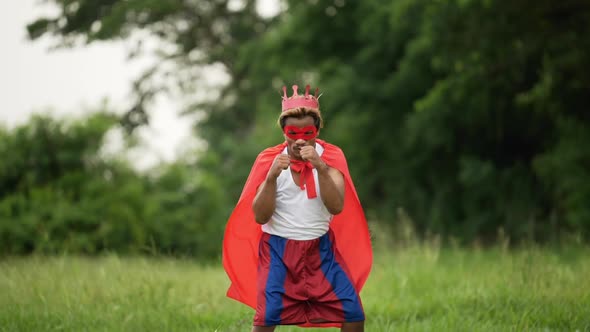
(468,114)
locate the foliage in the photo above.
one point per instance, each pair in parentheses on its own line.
(467,115)
(59,193)
(458,109)
(194,37)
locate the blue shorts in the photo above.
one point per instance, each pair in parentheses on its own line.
(304,282)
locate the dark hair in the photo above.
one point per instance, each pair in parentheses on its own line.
(302,112)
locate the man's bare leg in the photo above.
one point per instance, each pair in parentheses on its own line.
(264,328)
(353,327)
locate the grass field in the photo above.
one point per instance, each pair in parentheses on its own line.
(414,289)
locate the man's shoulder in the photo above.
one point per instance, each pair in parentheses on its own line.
(273,150)
(330,147)
(269,153)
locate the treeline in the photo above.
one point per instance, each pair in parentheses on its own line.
(59,193)
(467,117)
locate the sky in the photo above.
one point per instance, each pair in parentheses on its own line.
(35,79)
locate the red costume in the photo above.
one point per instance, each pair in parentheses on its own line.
(242,233)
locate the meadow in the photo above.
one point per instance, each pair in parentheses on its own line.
(417,288)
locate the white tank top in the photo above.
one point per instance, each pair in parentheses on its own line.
(296,216)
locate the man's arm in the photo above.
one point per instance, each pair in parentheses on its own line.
(331,181)
(265,201)
(331,188)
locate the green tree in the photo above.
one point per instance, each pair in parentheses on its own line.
(57,192)
(60,193)
(468,114)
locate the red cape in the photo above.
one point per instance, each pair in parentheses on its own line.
(242,233)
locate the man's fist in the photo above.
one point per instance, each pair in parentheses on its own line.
(308,153)
(280,164)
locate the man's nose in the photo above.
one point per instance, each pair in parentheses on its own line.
(300,141)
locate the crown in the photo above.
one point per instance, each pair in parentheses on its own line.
(297,100)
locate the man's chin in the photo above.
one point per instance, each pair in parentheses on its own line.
(296,155)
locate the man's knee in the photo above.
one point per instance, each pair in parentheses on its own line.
(353,327)
(263,328)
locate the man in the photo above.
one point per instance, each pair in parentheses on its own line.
(297,247)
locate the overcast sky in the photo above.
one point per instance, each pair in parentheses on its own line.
(72,81)
(34,79)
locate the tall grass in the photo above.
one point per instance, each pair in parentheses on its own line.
(417,288)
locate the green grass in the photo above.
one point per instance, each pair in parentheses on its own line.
(414,289)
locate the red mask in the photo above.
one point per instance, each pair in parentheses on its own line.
(305,133)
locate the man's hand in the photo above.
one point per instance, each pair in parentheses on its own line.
(308,153)
(280,164)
